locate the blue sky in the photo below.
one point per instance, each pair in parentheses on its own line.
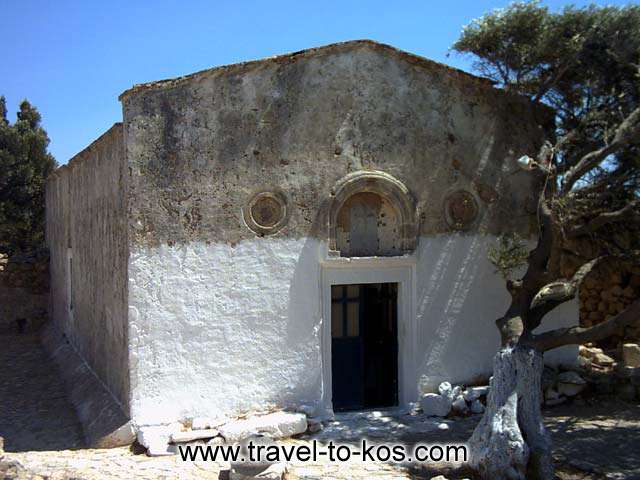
(73,58)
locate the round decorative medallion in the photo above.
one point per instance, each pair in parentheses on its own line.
(460,209)
(266,212)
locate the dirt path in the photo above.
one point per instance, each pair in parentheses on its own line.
(601,439)
(34,411)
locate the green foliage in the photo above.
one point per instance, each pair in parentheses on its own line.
(509,254)
(582,62)
(24,167)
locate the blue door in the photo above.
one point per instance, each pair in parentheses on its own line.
(364,353)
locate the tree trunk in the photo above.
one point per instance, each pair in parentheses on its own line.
(510,442)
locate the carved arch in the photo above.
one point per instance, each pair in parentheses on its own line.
(387,188)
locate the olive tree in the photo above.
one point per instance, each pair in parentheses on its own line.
(584,64)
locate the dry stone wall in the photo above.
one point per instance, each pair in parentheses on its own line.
(24,288)
(607,291)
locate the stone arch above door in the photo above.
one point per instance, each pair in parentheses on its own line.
(371,214)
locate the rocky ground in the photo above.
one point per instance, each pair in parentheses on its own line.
(595,438)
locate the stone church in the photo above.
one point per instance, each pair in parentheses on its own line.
(307,229)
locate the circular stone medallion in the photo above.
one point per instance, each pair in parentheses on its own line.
(460,210)
(266,212)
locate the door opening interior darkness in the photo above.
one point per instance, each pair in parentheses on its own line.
(364,345)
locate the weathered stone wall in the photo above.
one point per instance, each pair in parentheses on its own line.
(224,321)
(199,147)
(87,239)
(24,288)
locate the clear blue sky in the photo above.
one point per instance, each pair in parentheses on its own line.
(73,58)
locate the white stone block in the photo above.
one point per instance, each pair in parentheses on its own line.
(275,425)
(156,438)
(191,435)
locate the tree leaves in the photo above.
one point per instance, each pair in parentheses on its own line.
(582,62)
(24,167)
(509,254)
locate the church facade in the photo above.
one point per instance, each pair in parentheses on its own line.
(308,229)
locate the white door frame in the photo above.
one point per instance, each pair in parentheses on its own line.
(400,270)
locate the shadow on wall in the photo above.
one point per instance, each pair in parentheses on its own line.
(304,317)
(458,298)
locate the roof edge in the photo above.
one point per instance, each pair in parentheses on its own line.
(411,57)
(80,156)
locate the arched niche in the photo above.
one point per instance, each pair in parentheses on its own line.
(371,214)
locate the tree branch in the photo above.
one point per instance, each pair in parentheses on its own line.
(551,81)
(554,294)
(539,256)
(627,132)
(579,335)
(594,224)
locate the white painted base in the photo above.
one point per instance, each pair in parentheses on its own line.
(217,330)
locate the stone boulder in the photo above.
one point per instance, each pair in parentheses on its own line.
(156,438)
(435,405)
(459,406)
(445,389)
(473,393)
(570,384)
(476,407)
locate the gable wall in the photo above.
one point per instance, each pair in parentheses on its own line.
(223,321)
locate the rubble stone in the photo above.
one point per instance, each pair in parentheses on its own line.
(156,438)
(473,393)
(445,389)
(570,384)
(436,405)
(276,425)
(459,406)
(476,407)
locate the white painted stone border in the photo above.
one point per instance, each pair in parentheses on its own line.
(399,270)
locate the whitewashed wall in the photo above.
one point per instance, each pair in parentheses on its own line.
(220,330)
(459,297)
(217,329)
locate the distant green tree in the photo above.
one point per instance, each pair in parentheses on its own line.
(24,167)
(584,65)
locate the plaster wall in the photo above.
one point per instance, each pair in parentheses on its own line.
(220,330)
(87,239)
(459,297)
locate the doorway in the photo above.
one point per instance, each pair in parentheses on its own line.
(364,345)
